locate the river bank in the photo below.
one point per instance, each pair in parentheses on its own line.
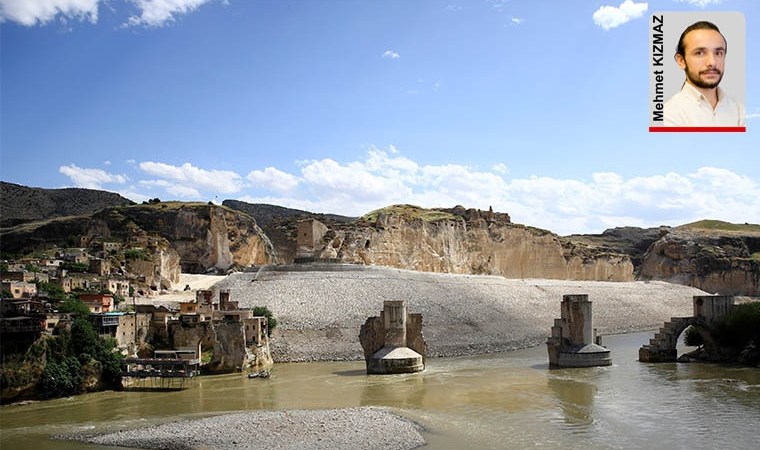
(366,428)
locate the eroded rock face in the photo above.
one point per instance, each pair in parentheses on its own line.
(161,271)
(479,246)
(714,261)
(206,236)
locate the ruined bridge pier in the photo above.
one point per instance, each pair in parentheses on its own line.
(708,311)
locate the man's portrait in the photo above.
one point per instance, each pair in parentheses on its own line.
(701,54)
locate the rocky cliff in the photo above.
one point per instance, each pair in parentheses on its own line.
(631,241)
(206,236)
(196,236)
(467,242)
(279,224)
(714,256)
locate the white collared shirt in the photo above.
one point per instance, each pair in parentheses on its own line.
(689,108)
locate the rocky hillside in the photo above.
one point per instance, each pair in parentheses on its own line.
(205,237)
(467,241)
(714,256)
(631,241)
(20,204)
(279,224)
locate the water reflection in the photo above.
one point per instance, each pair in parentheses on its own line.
(576,399)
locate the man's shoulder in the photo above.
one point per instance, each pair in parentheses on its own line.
(677,107)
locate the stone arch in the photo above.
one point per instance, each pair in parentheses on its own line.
(662,347)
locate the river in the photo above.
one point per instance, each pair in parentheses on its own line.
(505,401)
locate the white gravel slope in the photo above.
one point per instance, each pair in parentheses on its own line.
(320,308)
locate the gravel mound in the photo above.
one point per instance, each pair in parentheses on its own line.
(319,308)
(350,428)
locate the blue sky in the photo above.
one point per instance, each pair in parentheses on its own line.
(537,108)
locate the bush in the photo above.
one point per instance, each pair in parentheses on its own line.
(265,312)
(692,338)
(54,291)
(135,253)
(75,307)
(76,267)
(740,327)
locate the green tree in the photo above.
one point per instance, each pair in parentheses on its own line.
(263,311)
(692,338)
(740,327)
(54,291)
(76,267)
(75,307)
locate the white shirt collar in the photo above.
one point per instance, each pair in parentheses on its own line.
(694,92)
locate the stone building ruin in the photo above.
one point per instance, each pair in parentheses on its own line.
(310,233)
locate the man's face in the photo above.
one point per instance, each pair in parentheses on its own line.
(704,58)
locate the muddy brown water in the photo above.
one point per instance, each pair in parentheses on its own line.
(501,401)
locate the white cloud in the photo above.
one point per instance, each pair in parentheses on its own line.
(189,176)
(500,168)
(701,3)
(274,180)
(564,206)
(382,177)
(90,178)
(390,54)
(517,20)
(184,192)
(609,17)
(330,179)
(156,13)
(33,12)
(753,115)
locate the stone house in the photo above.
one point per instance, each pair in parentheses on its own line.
(98,303)
(19,289)
(109,247)
(115,286)
(24,275)
(100,266)
(133,331)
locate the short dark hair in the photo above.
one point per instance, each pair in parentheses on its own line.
(701,25)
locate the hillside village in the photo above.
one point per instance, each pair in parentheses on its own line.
(41,295)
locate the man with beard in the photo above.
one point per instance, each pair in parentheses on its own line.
(701,54)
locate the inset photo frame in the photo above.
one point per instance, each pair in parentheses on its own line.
(697,72)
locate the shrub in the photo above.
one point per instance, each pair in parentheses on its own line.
(75,307)
(54,291)
(265,312)
(740,326)
(76,267)
(692,338)
(135,253)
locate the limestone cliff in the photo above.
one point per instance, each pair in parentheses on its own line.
(202,236)
(714,256)
(206,236)
(467,242)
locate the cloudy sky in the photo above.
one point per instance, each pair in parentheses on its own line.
(536,108)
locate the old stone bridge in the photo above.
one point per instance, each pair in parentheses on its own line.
(708,311)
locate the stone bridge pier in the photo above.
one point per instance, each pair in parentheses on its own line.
(708,310)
